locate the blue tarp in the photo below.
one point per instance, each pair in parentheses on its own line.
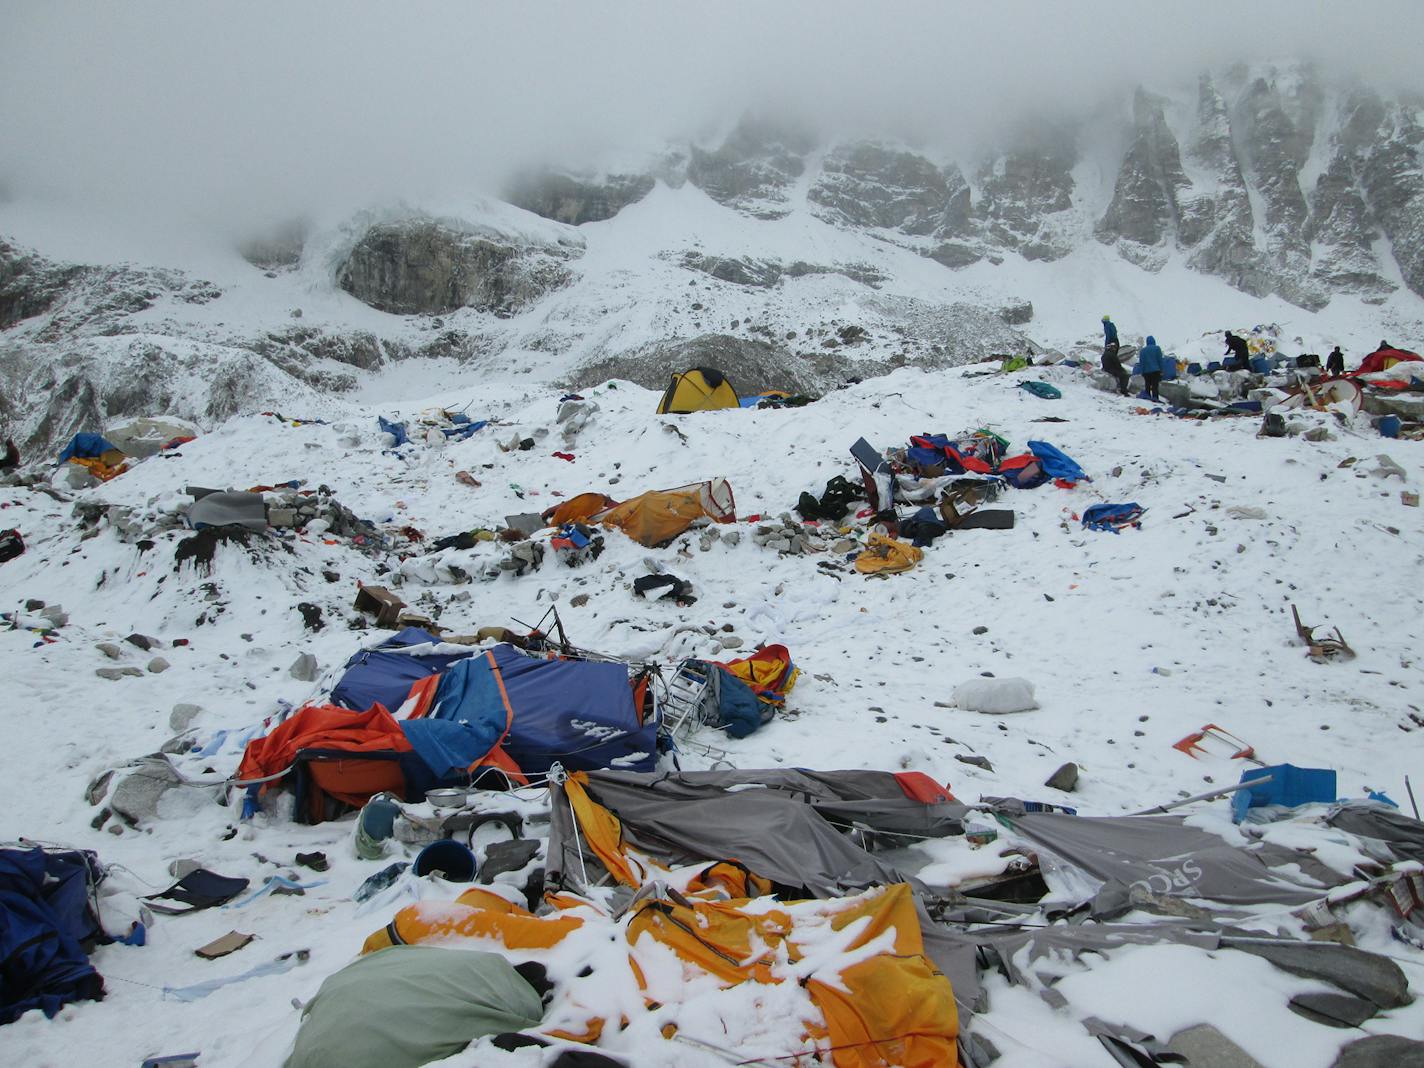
(44,921)
(1055,464)
(448,747)
(1289,786)
(396,430)
(578,712)
(87,446)
(379,676)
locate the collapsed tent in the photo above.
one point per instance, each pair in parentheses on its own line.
(738,696)
(698,390)
(1383,360)
(46,920)
(782,825)
(229,508)
(148,435)
(874,997)
(385,674)
(580,713)
(656,517)
(338,758)
(96,454)
(410,1005)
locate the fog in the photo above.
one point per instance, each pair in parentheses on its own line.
(237,114)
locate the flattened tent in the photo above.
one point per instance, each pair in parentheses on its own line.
(698,390)
(385,674)
(658,516)
(1384,359)
(581,713)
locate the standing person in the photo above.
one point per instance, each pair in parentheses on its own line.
(1150,359)
(1335,362)
(1111,364)
(1236,346)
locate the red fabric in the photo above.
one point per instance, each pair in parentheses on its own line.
(1063,483)
(970,463)
(920,787)
(1377,360)
(322,727)
(1014,463)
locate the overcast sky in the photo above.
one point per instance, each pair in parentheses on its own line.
(247,111)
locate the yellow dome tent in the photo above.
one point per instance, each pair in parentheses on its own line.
(698,390)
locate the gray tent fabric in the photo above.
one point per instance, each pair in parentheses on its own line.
(409,1005)
(781,824)
(1403,836)
(1162,855)
(229,508)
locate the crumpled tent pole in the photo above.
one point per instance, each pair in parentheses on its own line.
(1203,797)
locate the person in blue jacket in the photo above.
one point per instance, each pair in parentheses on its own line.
(1150,360)
(1111,364)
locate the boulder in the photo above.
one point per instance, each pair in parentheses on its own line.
(430,268)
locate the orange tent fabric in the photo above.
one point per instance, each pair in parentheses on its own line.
(886,556)
(577,509)
(322,727)
(476,913)
(658,516)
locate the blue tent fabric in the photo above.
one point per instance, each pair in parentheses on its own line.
(378,676)
(1055,464)
(463,427)
(577,712)
(1113,517)
(448,747)
(396,430)
(87,446)
(738,709)
(45,920)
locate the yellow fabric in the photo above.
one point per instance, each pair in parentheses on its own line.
(477,914)
(886,556)
(728,878)
(892,1008)
(658,515)
(690,392)
(716,936)
(602,831)
(110,464)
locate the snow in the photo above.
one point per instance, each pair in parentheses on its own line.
(1087,617)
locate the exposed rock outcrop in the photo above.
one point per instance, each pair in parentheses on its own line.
(576,199)
(753,169)
(867,184)
(1144,209)
(430,268)
(1024,192)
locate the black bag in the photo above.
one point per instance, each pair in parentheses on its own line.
(11,545)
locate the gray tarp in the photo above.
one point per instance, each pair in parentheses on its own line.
(781,824)
(1163,856)
(1402,835)
(409,1005)
(229,508)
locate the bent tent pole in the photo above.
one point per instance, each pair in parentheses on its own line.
(1203,797)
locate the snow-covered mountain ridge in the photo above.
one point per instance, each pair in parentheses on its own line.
(1265,193)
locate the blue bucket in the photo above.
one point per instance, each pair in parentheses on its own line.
(1389,426)
(453,861)
(1194,368)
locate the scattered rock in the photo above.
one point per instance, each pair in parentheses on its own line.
(182,715)
(158,665)
(305,668)
(117,672)
(975,759)
(1065,778)
(109,649)
(311,615)
(729,641)
(578,600)
(981,630)
(142,642)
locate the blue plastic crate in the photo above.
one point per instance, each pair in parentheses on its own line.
(1289,786)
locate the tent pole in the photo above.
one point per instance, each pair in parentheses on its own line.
(1412,803)
(1203,797)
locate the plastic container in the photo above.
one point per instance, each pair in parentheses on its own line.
(1289,786)
(1389,426)
(453,862)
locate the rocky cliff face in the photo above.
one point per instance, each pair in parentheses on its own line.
(430,268)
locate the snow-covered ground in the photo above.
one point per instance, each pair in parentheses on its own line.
(1133,641)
